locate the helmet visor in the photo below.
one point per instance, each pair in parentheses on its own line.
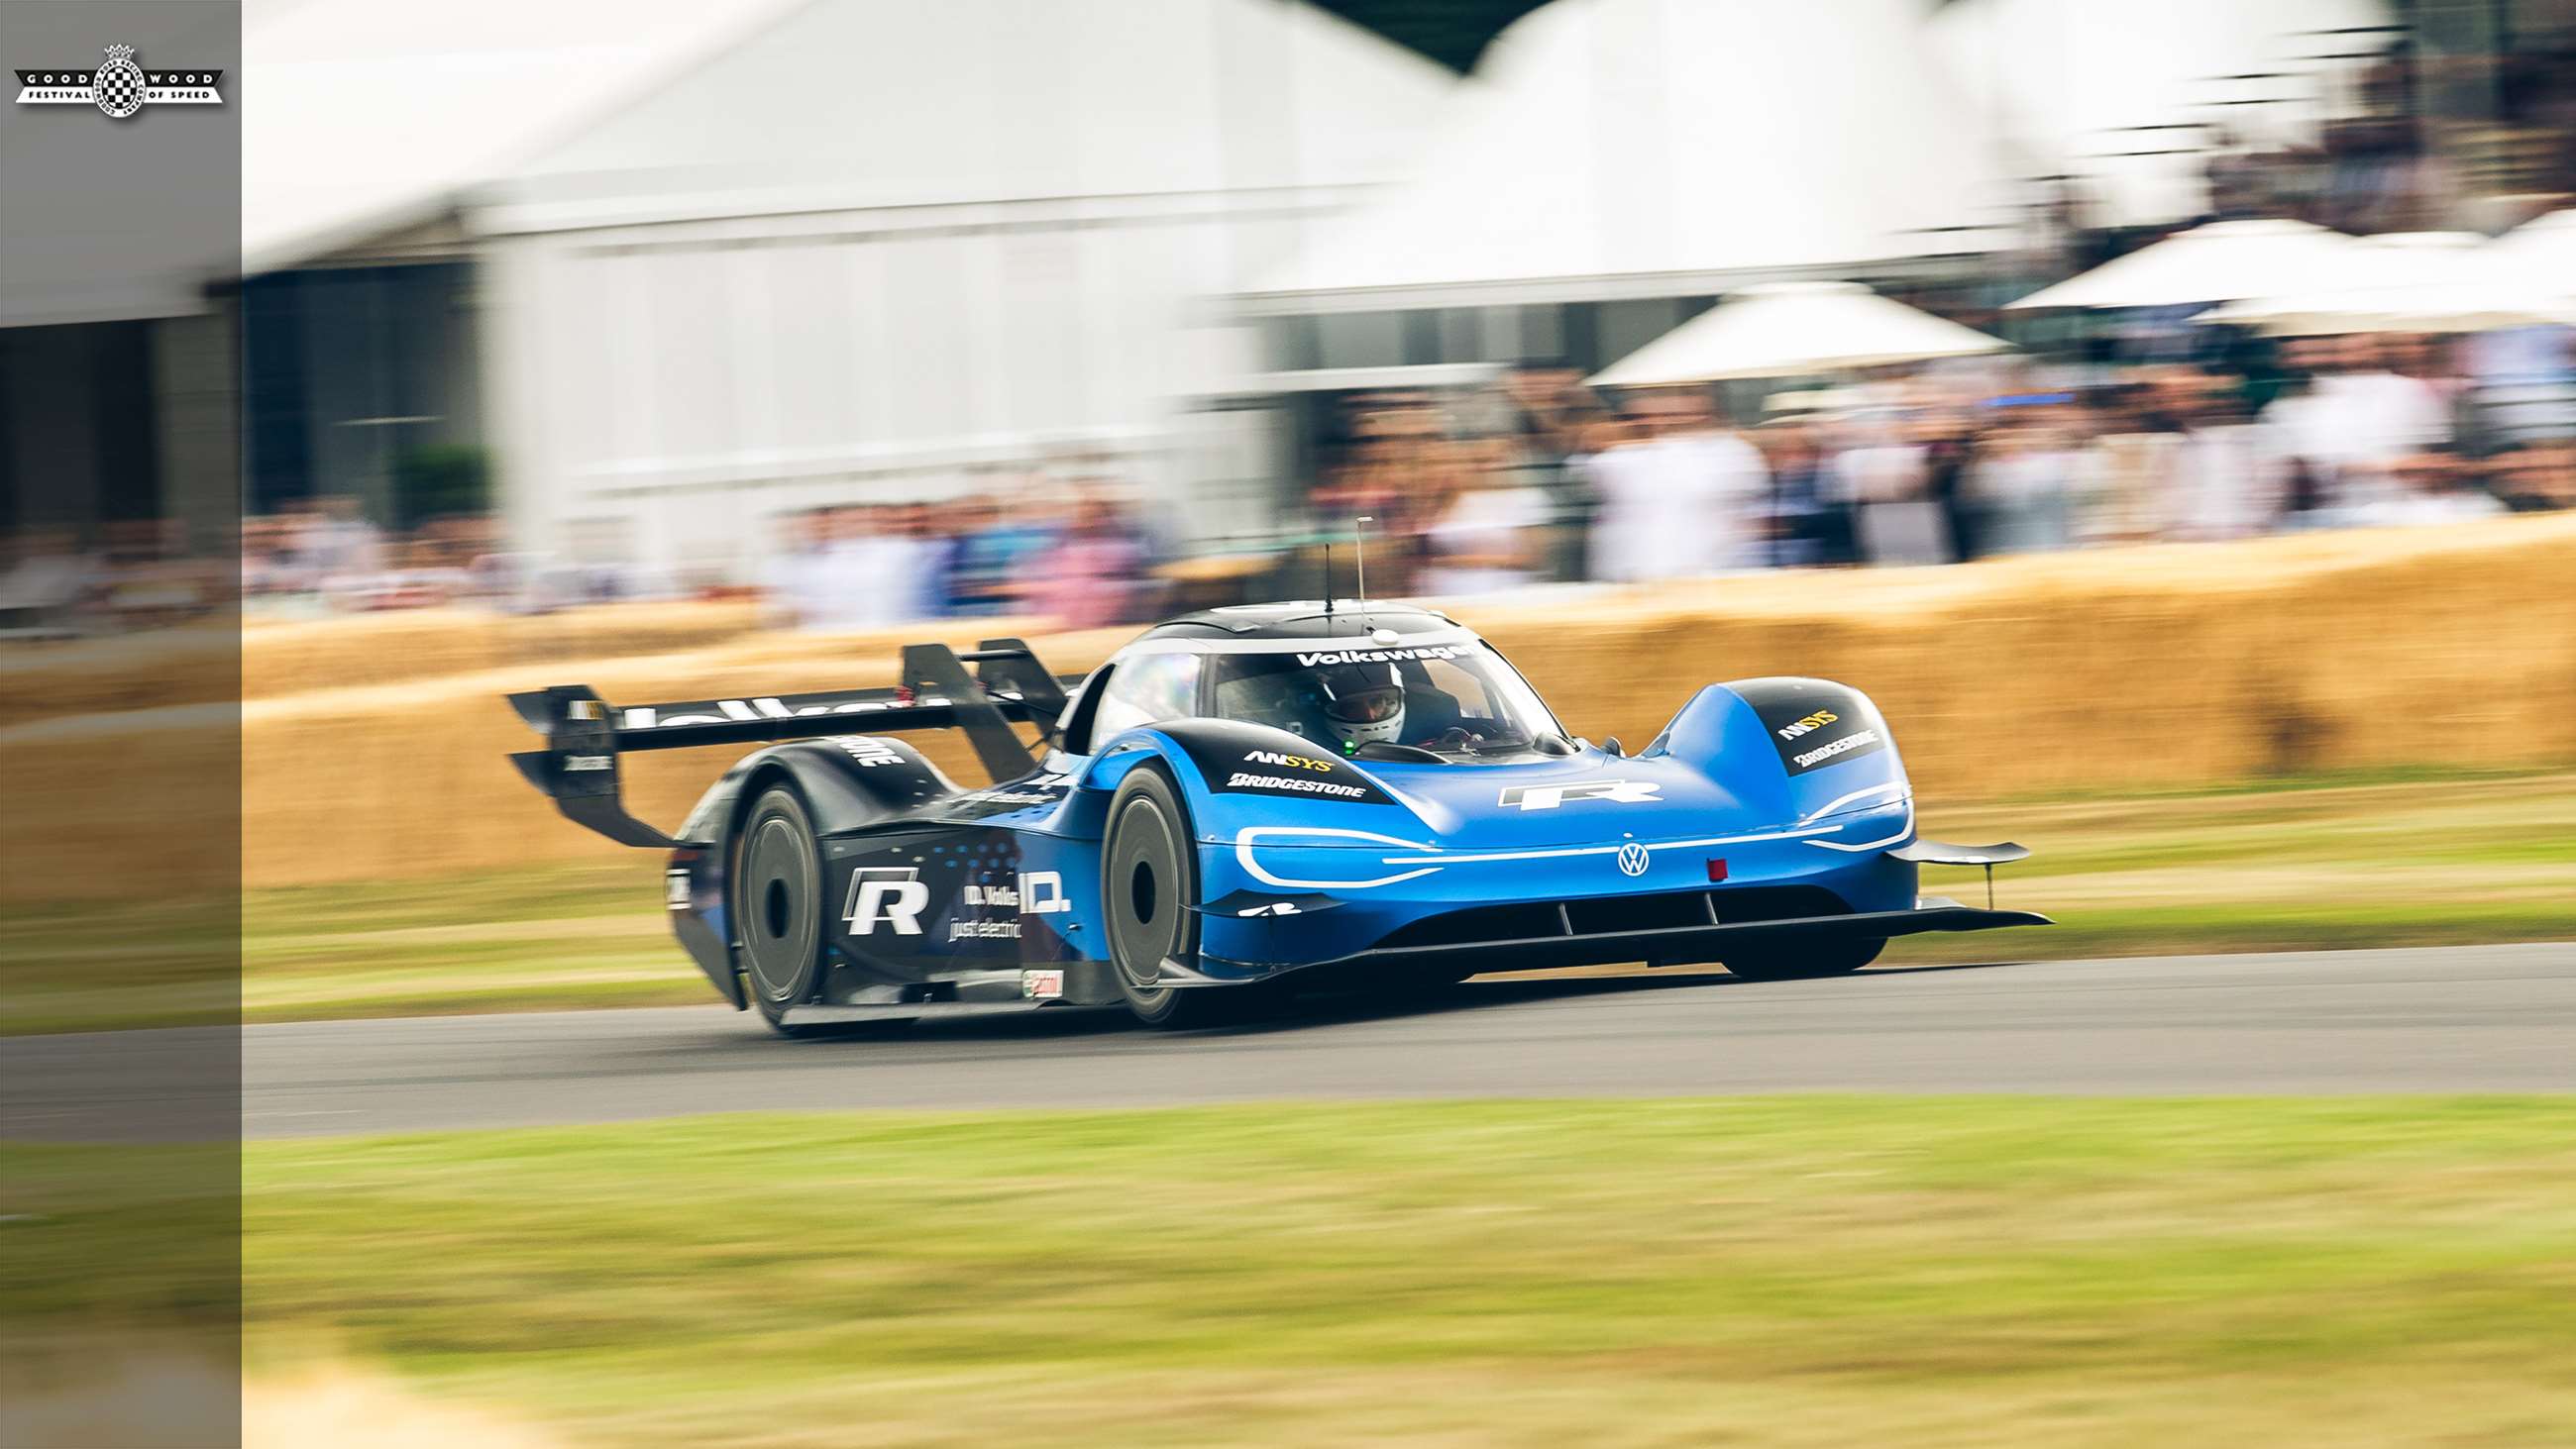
(1367,706)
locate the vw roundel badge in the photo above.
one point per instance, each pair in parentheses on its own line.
(1632,859)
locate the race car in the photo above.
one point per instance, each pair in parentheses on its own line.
(1248,800)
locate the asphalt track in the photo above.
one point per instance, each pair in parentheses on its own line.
(2492,1018)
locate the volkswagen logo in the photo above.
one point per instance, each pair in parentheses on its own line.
(1632,859)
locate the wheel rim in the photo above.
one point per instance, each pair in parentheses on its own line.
(775,909)
(1145,910)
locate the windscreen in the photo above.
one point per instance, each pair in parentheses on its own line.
(1458,700)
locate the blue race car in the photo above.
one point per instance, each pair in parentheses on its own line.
(1245,801)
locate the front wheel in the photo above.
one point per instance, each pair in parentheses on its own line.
(1148,882)
(1797,962)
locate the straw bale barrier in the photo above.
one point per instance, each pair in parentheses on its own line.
(291,656)
(219,662)
(2178,665)
(2100,671)
(196,664)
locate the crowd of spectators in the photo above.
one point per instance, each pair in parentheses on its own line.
(57,583)
(1080,555)
(1536,478)
(325,556)
(1541,479)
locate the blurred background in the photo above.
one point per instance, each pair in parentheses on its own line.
(2166,413)
(880,312)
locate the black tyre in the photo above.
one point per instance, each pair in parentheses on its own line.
(1794,963)
(1149,879)
(778,905)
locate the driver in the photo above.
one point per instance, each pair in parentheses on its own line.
(1361,704)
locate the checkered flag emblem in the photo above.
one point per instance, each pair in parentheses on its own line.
(119,83)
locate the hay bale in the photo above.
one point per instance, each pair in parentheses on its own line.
(140,806)
(229,659)
(289,657)
(197,664)
(2126,668)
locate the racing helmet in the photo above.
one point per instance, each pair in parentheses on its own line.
(1362,703)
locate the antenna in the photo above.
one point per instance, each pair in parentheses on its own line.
(1359,546)
(1328,587)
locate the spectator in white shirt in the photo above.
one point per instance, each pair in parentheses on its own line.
(1484,538)
(2429,487)
(340,540)
(2226,480)
(1680,503)
(864,578)
(2364,418)
(791,576)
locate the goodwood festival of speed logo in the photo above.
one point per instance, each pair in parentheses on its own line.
(119,87)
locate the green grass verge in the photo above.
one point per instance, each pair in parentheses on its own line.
(2410,859)
(88,967)
(1794,1271)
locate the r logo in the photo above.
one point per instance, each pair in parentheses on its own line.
(1548,797)
(886,894)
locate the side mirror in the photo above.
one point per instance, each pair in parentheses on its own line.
(1611,746)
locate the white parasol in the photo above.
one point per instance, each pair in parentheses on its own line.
(2223,261)
(1795,329)
(2410,282)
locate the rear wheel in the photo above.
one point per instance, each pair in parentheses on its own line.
(1148,882)
(778,905)
(1793,963)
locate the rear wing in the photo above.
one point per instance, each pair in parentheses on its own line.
(585,734)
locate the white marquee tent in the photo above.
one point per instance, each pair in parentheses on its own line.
(1657,147)
(375,117)
(731,261)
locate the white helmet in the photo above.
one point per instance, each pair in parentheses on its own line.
(1363,704)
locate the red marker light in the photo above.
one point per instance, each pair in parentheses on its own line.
(1717,870)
